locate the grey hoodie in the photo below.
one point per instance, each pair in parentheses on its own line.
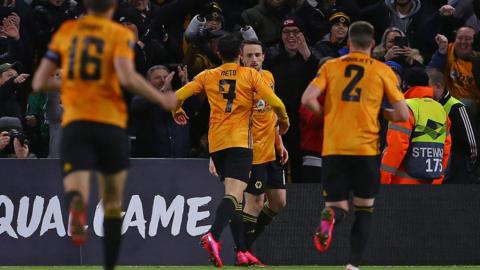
(402,23)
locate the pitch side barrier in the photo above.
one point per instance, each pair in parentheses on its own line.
(170,203)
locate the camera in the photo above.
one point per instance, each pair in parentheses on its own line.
(14,133)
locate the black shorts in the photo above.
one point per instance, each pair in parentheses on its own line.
(342,174)
(235,162)
(88,145)
(266,176)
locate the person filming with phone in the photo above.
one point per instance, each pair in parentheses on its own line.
(395,47)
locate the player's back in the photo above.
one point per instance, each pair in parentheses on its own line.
(230,91)
(355,88)
(90,87)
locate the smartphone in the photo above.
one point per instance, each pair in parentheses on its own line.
(400,42)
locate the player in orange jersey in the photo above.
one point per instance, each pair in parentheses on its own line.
(267,173)
(355,86)
(96,57)
(230,90)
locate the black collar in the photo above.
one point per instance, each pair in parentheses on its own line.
(445,98)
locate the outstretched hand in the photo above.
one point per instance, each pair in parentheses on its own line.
(180,117)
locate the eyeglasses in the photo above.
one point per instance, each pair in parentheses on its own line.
(293,31)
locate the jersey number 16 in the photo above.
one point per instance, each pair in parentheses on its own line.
(86,59)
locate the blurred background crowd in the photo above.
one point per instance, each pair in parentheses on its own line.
(181,36)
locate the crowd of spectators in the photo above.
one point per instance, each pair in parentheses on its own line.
(177,39)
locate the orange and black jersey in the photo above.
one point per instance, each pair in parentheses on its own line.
(85,50)
(355,86)
(264,125)
(230,90)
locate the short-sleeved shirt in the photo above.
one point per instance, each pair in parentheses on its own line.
(355,86)
(85,50)
(264,121)
(230,90)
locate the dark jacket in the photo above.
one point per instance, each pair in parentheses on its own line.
(266,21)
(158,136)
(326,48)
(464,151)
(292,76)
(9,101)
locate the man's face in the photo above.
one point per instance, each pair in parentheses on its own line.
(437,90)
(252,56)
(7,75)
(403,2)
(463,41)
(140,5)
(275,3)
(157,78)
(213,25)
(339,31)
(57,2)
(289,37)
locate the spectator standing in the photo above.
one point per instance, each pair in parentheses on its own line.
(266,19)
(419,20)
(461,66)
(334,44)
(293,64)
(10,83)
(464,151)
(157,134)
(46,18)
(394,47)
(148,52)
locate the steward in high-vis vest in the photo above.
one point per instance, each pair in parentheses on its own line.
(418,150)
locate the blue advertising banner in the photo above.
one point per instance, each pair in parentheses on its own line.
(168,205)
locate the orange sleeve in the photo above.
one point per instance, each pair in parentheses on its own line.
(194,87)
(398,141)
(125,44)
(446,154)
(320,80)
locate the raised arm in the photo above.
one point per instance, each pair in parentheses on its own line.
(137,85)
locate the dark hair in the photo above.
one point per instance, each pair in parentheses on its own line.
(98,5)
(252,42)
(361,34)
(229,47)
(415,76)
(436,77)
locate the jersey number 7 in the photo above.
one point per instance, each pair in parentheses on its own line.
(86,59)
(351,92)
(228,95)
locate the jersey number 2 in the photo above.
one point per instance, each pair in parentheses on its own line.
(86,59)
(228,95)
(351,91)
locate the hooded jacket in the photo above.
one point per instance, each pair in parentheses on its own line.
(399,139)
